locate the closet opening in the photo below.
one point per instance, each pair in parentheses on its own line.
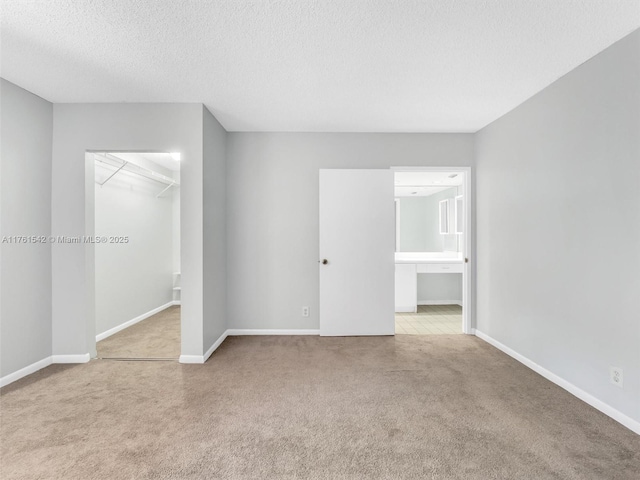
(136,248)
(431,284)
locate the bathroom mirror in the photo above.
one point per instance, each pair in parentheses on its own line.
(427,223)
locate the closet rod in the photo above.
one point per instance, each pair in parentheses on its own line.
(142,171)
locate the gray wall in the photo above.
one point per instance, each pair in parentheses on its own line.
(124,127)
(272,222)
(135,277)
(558,236)
(25,191)
(414,224)
(215,244)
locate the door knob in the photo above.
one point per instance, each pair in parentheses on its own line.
(325,261)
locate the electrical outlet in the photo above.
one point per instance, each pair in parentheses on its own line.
(305,311)
(615,376)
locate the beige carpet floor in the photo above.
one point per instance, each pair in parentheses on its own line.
(155,337)
(409,407)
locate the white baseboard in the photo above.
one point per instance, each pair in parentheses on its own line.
(133,321)
(215,346)
(176,302)
(23,372)
(608,410)
(82,358)
(406,309)
(207,354)
(191,359)
(440,302)
(276,331)
(242,331)
(40,364)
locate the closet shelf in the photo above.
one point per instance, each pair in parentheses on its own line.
(117,164)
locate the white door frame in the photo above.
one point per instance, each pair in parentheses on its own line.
(468,238)
(89,247)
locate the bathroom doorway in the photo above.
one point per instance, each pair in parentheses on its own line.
(432,251)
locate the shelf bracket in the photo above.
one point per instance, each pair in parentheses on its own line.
(111,176)
(168,187)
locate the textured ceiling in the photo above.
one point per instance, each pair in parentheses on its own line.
(302,65)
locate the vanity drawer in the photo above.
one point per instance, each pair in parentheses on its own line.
(439,268)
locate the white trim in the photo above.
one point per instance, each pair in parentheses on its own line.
(467,237)
(406,309)
(215,345)
(199,359)
(40,364)
(133,321)
(396,202)
(276,331)
(203,358)
(176,302)
(608,410)
(191,359)
(23,372)
(82,358)
(440,302)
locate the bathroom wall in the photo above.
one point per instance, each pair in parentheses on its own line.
(420,223)
(415,224)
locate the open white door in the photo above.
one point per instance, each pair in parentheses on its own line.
(357,240)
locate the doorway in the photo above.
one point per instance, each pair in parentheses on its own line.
(432,280)
(137,255)
(365,237)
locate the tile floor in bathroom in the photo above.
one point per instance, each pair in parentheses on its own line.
(430,320)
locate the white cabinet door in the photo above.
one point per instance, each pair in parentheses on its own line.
(357,240)
(406,287)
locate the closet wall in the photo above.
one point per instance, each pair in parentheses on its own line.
(25,193)
(134,268)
